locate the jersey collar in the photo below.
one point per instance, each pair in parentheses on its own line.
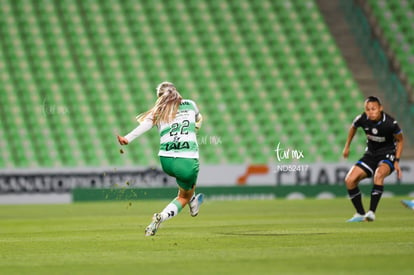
(382,120)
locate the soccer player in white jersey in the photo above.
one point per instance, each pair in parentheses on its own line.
(177,120)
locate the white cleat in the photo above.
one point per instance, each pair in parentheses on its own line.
(153,226)
(195,203)
(369,216)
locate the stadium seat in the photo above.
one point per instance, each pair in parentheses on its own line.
(82,70)
(395,19)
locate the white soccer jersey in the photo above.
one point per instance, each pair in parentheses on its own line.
(178,138)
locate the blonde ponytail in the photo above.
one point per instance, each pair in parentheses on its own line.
(166,106)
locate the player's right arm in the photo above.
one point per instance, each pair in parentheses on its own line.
(144,126)
(351,134)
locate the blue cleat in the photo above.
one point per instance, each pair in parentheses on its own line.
(357,218)
(408,204)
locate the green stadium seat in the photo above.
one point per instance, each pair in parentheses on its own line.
(250,66)
(395,19)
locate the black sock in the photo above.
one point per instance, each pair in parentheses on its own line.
(356,198)
(376,194)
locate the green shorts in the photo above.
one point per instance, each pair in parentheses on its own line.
(184,170)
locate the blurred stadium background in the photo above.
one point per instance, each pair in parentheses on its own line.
(295,72)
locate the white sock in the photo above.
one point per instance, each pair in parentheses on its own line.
(171,210)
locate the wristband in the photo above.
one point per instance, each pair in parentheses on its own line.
(397,159)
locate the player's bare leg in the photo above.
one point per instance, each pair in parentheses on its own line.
(193,201)
(184,196)
(381,173)
(354,176)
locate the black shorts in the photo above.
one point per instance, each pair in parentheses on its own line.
(370,161)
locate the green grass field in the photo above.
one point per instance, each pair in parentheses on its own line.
(228,237)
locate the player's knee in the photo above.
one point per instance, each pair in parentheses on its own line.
(379,176)
(350,182)
(381,173)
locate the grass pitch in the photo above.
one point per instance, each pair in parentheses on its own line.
(228,237)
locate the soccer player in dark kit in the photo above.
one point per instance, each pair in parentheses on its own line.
(381,158)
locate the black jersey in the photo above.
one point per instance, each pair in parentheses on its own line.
(380,134)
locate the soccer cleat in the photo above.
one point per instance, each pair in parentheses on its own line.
(357,218)
(195,203)
(369,216)
(153,226)
(408,204)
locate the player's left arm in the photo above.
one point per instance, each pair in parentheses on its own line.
(399,139)
(198,116)
(199,121)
